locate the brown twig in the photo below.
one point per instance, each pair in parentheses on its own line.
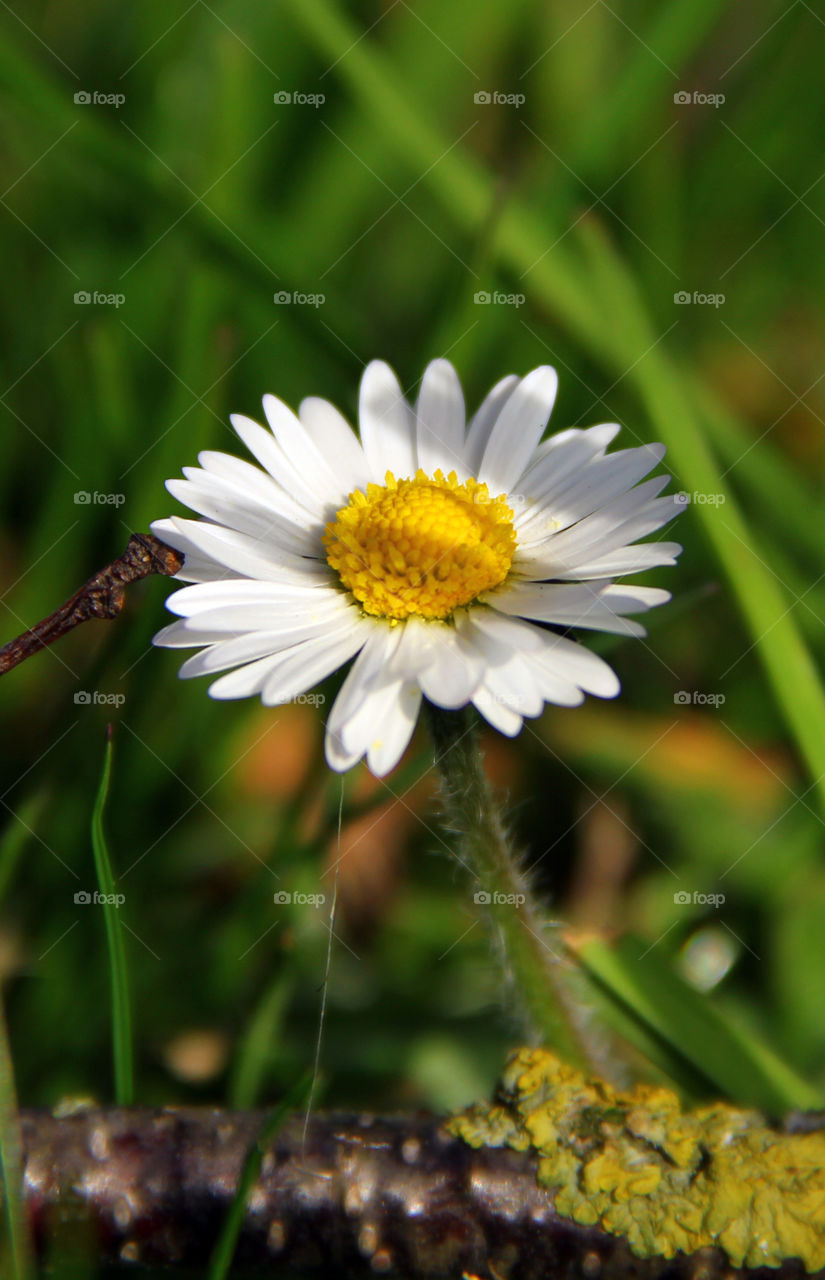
(352,1196)
(101,597)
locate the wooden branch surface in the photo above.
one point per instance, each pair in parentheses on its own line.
(359,1197)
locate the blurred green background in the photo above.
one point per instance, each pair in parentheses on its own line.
(638,188)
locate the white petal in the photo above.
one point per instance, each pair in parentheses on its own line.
(627,597)
(312,662)
(366,672)
(387,424)
(567,605)
(447,670)
(190,601)
(240,649)
(515,686)
(255,676)
(249,478)
(239,552)
(303,454)
(235,619)
(196,567)
(648,555)
(336,440)
(247,516)
(503,718)
(554,686)
(414,641)
(512,634)
(263,445)
(393,730)
(518,430)
(599,485)
(440,411)
(617,524)
(565,454)
(585,668)
(381,728)
(483,421)
(175,636)
(243,682)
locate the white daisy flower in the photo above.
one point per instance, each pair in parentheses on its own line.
(431,549)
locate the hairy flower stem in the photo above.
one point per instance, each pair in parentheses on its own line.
(536,967)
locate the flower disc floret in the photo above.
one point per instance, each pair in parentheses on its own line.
(421,547)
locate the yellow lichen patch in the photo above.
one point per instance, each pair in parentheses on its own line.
(639,1166)
(424,546)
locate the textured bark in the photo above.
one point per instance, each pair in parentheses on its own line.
(101,597)
(360,1196)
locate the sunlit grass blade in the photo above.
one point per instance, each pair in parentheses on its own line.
(227,1241)
(654,1002)
(19,1247)
(118,974)
(776,638)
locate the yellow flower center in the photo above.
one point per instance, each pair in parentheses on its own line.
(424,546)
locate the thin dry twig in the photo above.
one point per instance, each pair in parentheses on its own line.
(101,597)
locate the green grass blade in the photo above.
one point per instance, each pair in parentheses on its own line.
(776,638)
(118,974)
(254,1055)
(224,1250)
(19,828)
(602,139)
(12,1163)
(689,1029)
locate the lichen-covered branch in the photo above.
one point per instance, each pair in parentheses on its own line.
(356,1196)
(101,597)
